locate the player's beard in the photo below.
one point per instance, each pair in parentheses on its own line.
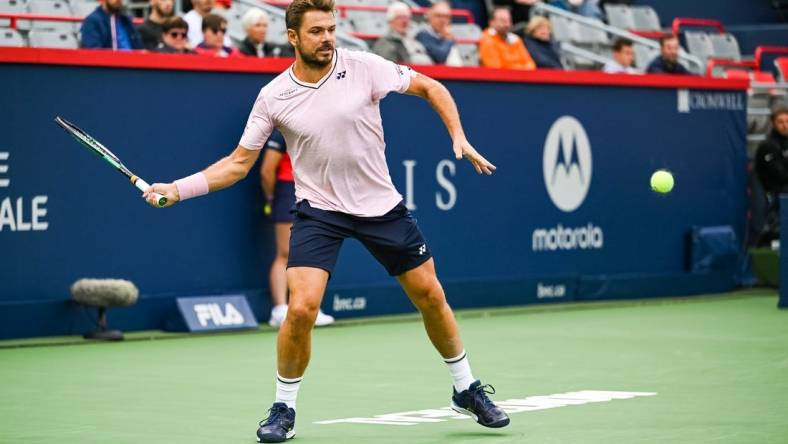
(312,60)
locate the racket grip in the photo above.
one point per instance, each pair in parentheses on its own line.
(143,186)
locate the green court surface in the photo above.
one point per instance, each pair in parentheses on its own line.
(718,366)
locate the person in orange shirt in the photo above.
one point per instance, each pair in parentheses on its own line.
(499,48)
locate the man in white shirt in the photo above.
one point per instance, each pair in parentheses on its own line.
(327,106)
(623,58)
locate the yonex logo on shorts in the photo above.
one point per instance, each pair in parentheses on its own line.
(423,249)
(567,163)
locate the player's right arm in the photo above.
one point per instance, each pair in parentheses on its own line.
(220,175)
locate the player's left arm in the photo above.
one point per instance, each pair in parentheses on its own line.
(439,97)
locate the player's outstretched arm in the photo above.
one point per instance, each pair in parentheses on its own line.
(440,99)
(220,175)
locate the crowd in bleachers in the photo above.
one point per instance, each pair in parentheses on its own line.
(519,34)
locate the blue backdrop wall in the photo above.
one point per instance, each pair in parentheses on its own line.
(568,215)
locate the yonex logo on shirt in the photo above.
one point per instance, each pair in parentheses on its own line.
(341,75)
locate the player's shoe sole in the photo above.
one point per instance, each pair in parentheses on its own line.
(502,423)
(273,438)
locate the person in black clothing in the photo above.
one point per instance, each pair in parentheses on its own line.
(255,23)
(174,37)
(771,167)
(539,44)
(668,60)
(150,30)
(520,9)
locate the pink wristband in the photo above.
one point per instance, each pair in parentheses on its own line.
(192,186)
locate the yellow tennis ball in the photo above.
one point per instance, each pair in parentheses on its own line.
(662,181)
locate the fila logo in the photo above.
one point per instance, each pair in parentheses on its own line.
(213,313)
(423,249)
(341,75)
(4,169)
(567,163)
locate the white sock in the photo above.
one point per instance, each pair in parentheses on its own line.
(287,390)
(460,370)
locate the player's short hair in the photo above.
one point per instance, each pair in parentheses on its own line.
(253,16)
(174,23)
(666,38)
(621,43)
(295,12)
(536,22)
(779,111)
(214,22)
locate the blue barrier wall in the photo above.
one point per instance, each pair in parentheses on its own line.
(498,240)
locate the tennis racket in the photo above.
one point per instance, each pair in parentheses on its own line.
(100,150)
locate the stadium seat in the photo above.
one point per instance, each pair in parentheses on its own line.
(469,54)
(277,30)
(620,16)
(699,44)
(782,68)
(645,18)
(725,46)
(589,37)
(50,7)
(562,28)
(52,39)
(11,7)
(11,38)
(644,55)
(83,9)
(466,30)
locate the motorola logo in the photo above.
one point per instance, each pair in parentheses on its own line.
(567,163)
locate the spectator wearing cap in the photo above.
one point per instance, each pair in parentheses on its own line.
(667,62)
(214,29)
(437,38)
(107,27)
(623,58)
(255,23)
(398,45)
(150,30)
(173,37)
(539,43)
(499,48)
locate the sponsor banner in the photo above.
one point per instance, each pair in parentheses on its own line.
(570,197)
(216,313)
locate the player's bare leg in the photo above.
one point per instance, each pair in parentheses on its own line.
(470,396)
(424,290)
(278,274)
(294,342)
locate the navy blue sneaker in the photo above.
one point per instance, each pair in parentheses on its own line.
(280,425)
(475,403)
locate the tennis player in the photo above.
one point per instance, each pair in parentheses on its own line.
(327,107)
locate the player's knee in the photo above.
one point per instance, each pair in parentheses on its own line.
(430,298)
(302,312)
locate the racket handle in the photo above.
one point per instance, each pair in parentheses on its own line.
(143,186)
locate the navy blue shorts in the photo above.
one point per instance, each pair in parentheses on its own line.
(394,238)
(284,199)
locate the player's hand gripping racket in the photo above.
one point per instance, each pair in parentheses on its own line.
(100,150)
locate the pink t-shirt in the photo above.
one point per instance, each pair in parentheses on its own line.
(334,132)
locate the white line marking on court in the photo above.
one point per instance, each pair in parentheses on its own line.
(528,404)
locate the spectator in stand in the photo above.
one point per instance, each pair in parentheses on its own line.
(437,38)
(150,30)
(623,58)
(538,42)
(587,8)
(398,45)
(668,60)
(173,37)
(771,158)
(214,29)
(107,27)
(520,9)
(499,48)
(194,18)
(255,23)
(276,176)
